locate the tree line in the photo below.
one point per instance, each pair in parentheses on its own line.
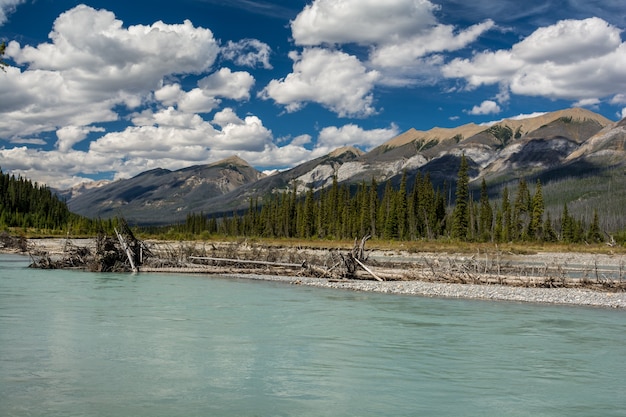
(402,213)
(383,211)
(27,205)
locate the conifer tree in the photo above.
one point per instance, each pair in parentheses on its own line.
(506,216)
(460,216)
(486,213)
(536,215)
(594,235)
(549,235)
(521,210)
(401,209)
(567,226)
(373,207)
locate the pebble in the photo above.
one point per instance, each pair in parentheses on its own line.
(569,296)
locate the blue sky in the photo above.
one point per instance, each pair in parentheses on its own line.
(108,89)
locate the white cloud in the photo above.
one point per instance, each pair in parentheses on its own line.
(173,139)
(332,137)
(587,102)
(623,113)
(486,107)
(301,140)
(439,38)
(398,32)
(361,21)
(94,64)
(569,42)
(57,169)
(6,7)
(572,59)
(223,83)
(334,79)
(228,84)
(248,53)
(68,136)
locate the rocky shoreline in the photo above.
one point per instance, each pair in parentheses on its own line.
(562,296)
(445,275)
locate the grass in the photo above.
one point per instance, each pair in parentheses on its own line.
(436,246)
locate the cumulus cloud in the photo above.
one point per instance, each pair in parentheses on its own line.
(486,107)
(439,38)
(55,168)
(228,84)
(403,37)
(204,99)
(398,32)
(572,59)
(333,137)
(68,136)
(333,79)
(94,64)
(360,21)
(171,133)
(248,53)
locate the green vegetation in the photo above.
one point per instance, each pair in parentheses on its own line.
(34,209)
(405,214)
(415,212)
(502,133)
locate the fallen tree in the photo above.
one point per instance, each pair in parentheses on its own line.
(243,257)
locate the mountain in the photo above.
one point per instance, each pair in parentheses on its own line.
(553,146)
(161,195)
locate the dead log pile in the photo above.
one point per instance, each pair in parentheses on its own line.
(123,252)
(13,243)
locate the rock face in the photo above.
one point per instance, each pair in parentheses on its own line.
(545,146)
(161,195)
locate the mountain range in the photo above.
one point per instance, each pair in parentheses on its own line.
(565,145)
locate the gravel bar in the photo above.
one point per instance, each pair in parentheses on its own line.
(566,296)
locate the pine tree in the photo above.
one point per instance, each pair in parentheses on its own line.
(594,235)
(401,209)
(536,215)
(521,210)
(549,235)
(460,216)
(486,213)
(567,225)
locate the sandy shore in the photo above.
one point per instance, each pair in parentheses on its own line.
(576,262)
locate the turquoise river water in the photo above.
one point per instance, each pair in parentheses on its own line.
(86,344)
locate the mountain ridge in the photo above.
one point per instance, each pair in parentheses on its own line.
(556,142)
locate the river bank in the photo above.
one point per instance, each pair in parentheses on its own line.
(564,296)
(586,279)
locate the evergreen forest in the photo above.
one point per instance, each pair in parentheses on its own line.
(34,208)
(402,213)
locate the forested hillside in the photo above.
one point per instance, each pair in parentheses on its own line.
(34,207)
(407,212)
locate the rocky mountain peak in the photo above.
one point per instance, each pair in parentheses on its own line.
(344,150)
(231,160)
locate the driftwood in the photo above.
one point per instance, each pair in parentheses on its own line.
(484,267)
(248,261)
(126,250)
(368,270)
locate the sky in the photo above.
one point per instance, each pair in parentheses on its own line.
(107,89)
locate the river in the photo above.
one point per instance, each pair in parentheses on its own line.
(87,344)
